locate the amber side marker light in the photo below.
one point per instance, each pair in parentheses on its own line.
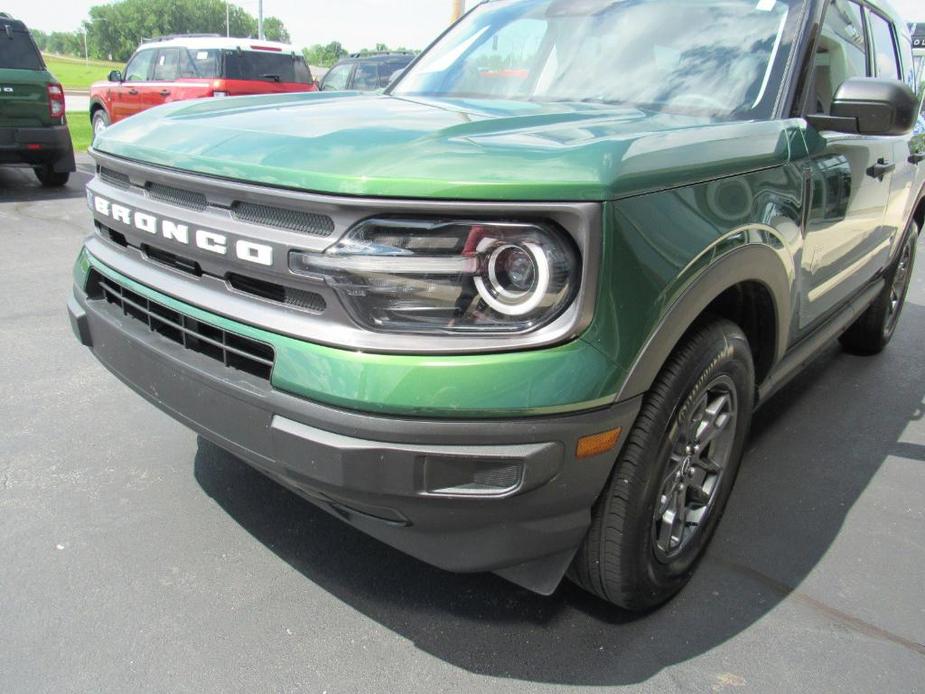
(595,444)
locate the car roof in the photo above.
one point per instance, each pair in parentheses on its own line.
(218,42)
(14,24)
(377,56)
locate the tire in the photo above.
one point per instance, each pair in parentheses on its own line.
(628,557)
(100,121)
(50,178)
(873,331)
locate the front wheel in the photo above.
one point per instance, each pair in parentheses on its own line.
(873,331)
(671,482)
(100,122)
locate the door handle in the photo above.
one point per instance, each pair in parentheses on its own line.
(133,91)
(917,158)
(881,169)
(165,92)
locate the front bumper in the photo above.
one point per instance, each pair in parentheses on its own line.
(466,495)
(38,146)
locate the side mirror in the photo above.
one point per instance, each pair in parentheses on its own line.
(115,76)
(870,106)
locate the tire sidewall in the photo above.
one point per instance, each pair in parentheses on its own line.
(724,352)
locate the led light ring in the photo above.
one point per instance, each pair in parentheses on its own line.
(542,285)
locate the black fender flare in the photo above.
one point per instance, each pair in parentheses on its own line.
(750,263)
(95,105)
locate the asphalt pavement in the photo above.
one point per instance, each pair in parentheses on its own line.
(135,556)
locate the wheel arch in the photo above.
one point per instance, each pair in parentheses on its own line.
(96,105)
(751,286)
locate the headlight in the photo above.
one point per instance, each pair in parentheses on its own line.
(438,277)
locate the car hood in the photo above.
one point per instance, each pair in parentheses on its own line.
(380,145)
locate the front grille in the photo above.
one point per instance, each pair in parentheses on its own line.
(115,178)
(281,218)
(290,296)
(234,351)
(178,197)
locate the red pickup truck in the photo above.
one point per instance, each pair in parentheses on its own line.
(177,68)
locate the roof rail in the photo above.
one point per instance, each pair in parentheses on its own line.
(373,54)
(167,37)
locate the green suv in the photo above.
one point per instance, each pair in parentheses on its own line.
(33,128)
(515,313)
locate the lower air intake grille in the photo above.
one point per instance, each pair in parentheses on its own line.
(281,218)
(175,196)
(234,351)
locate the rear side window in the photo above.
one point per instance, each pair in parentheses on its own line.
(17,50)
(884,47)
(267,66)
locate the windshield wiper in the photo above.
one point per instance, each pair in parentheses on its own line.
(275,78)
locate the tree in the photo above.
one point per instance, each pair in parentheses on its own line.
(115,30)
(275,30)
(324,56)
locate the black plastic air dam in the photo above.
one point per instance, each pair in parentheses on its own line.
(370,470)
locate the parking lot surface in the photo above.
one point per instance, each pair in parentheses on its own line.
(136,556)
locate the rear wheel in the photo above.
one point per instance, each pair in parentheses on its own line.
(873,331)
(100,121)
(50,178)
(671,482)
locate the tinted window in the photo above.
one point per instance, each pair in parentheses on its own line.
(167,65)
(366,77)
(909,72)
(841,54)
(884,47)
(721,58)
(336,79)
(201,63)
(260,65)
(139,67)
(17,50)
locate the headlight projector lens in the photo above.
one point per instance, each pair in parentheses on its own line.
(518,278)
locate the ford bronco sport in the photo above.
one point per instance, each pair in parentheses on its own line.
(176,68)
(33,127)
(515,313)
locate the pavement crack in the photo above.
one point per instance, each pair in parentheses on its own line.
(849,621)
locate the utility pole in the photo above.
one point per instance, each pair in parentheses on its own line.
(227,19)
(260,19)
(459,6)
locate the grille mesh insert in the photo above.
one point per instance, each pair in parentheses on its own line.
(281,218)
(234,351)
(114,177)
(290,296)
(178,197)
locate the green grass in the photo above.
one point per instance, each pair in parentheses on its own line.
(81,133)
(74,73)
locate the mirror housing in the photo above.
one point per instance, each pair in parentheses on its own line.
(115,76)
(870,106)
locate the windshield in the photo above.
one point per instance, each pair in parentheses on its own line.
(17,50)
(722,58)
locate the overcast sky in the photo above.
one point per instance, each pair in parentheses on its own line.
(355,23)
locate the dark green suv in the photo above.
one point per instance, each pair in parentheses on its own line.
(33,129)
(514,314)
